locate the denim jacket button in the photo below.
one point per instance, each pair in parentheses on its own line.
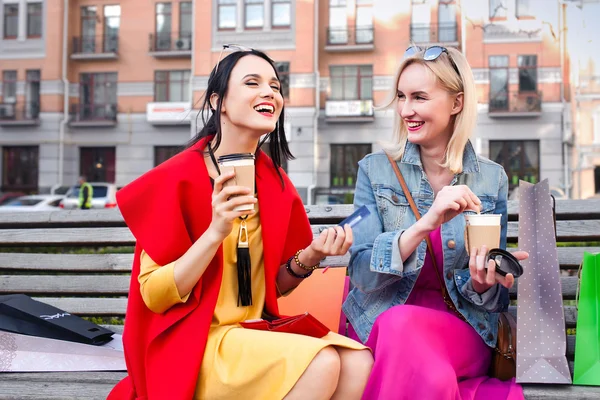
(395,198)
(449,275)
(451,244)
(490,337)
(481,326)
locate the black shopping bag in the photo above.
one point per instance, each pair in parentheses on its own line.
(21,314)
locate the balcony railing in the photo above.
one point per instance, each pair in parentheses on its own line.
(350,36)
(515,103)
(22,114)
(338,110)
(170,44)
(95,47)
(434,33)
(93,114)
(589,85)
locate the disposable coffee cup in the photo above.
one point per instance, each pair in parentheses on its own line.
(243,166)
(482,229)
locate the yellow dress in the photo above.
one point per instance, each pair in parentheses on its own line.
(240,363)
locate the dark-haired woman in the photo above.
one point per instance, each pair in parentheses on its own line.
(182,335)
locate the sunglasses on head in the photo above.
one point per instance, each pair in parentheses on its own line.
(430,54)
(234,48)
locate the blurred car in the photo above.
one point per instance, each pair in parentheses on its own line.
(9,196)
(37,202)
(104,196)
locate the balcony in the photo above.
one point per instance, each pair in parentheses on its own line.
(170,45)
(19,114)
(589,85)
(91,48)
(515,104)
(443,33)
(93,115)
(349,110)
(507,32)
(347,39)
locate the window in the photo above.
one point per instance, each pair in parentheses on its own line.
(20,168)
(97,164)
(420,22)
(163,153)
(227,10)
(185,19)
(344,163)
(98,96)
(32,94)
(34,20)
(338,22)
(163,26)
(520,159)
(112,21)
(88,30)
(283,69)
(254,13)
(364,21)
(351,82)
(11,21)
(281,13)
(498,9)
(447,22)
(9,86)
(498,100)
(171,86)
(524,9)
(527,73)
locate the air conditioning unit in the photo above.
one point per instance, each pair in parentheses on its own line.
(184,43)
(7,111)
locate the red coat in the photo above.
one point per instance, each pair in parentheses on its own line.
(167,209)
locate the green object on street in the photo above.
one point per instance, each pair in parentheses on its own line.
(587,346)
(90,191)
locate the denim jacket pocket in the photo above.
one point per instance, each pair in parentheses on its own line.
(392,206)
(488,204)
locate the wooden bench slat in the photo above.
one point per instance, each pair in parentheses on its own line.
(88,306)
(568,283)
(565,392)
(67,237)
(66,262)
(565,210)
(65,284)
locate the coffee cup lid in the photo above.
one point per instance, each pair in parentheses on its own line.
(506,263)
(236,157)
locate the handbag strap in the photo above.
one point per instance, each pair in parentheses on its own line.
(415,211)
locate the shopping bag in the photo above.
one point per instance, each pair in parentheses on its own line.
(22,353)
(587,346)
(21,314)
(541,337)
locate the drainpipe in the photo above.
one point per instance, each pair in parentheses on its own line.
(463,30)
(65,81)
(192,72)
(311,188)
(565,141)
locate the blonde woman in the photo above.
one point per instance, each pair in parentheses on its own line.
(422,348)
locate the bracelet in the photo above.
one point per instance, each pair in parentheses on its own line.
(304,267)
(288,267)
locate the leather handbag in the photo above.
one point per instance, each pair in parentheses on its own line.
(503,365)
(303,324)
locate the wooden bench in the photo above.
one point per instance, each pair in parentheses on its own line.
(96,285)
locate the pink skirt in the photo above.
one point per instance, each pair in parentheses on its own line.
(424,351)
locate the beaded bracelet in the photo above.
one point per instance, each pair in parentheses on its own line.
(288,267)
(304,267)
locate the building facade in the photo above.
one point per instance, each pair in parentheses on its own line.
(110,89)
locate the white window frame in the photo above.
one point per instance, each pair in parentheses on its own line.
(22,30)
(267,17)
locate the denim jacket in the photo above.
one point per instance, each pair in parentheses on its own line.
(381,279)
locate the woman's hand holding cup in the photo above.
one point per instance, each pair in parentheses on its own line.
(224,201)
(450,202)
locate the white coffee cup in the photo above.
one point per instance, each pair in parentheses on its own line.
(482,229)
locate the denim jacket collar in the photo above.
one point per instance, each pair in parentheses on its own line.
(412,155)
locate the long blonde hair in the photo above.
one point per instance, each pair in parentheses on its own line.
(446,75)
